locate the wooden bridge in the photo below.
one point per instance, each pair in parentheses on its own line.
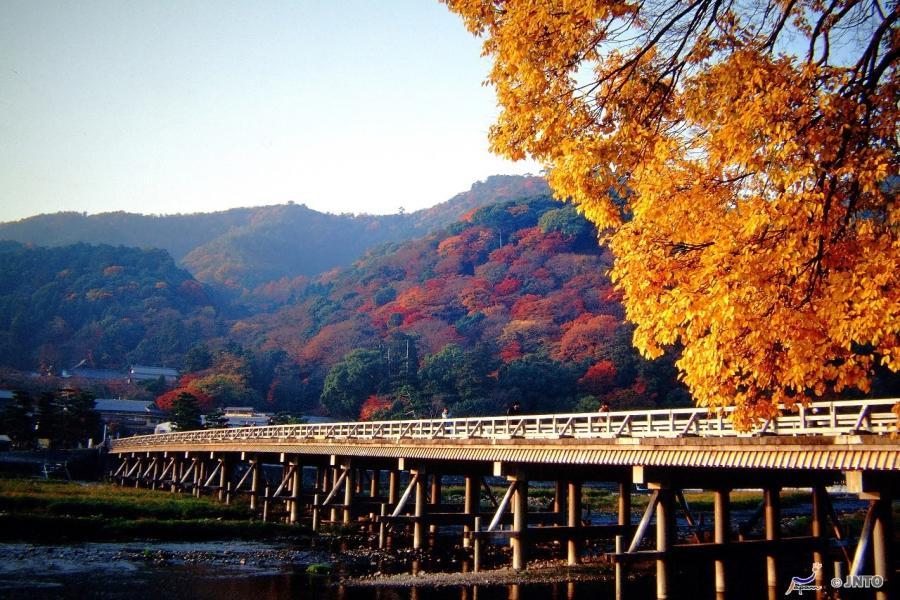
(379,475)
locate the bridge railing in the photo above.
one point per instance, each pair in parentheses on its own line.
(819,418)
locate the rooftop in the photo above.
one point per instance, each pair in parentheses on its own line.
(121,405)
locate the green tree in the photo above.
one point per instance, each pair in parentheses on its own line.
(568,222)
(185,414)
(348,384)
(459,375)
(78,420)
(157,386)
(17,420)
(197,358)
(539,384)
(48,417)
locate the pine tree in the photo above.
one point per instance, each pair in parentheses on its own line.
(185,414)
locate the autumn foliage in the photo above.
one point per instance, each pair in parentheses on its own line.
(742,160)
(460,319)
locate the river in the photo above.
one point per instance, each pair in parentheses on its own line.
(232,570)
(270,571)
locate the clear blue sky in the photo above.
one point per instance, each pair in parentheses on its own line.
(162,106)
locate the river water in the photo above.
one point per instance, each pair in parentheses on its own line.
(269,571)
(233,570)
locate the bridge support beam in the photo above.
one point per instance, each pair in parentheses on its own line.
(224,476)
(573,501)
(197,476)
(559,496)
(332,514)
(625,499)
(882,538)
(176,470)
(665,526)
(254,482)
(772,508)
(721,535)
(154,472)
(375,484)
(349,488)
(296,484)
(520,523)
(816,529)
(879,488)
(470,506)
(393,486)
(435,499)
(420,509)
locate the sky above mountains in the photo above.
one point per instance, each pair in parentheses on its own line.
(165,107)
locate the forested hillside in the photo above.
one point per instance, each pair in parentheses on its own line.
(111,306)
(507,300)
(511,303)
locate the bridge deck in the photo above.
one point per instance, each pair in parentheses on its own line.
(844,435)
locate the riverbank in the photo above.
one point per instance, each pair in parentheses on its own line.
(34,510)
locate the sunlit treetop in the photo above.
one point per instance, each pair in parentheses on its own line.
(742,157)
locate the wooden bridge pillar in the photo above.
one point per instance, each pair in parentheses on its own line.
(816,529)
(625,499)
(349,487)
(470,506)
(137,473)
(254,482)
(359,479)
(393,485)
(224,476)
(573,519)
(375,484)
(559,497)
(721,535)
(435,500)
(877,532)
(520,523)
(665,526)
(296,484)
(198,476)
(772,508)
(332,515)
(420,510)
(176,470)
(154,473)
(882,539)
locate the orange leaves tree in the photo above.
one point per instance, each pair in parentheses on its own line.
(742,162)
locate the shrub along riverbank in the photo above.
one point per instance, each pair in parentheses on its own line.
(48,510)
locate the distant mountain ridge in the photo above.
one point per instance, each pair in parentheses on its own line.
(243,248)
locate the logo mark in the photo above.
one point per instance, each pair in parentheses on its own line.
(805,584)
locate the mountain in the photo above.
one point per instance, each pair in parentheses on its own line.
(176,234)
(512,302)
(290,241)
(245,248)
(509,301)
(112,306)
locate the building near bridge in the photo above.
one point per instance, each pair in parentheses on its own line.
(89,374)
(128,417)
(139,373)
